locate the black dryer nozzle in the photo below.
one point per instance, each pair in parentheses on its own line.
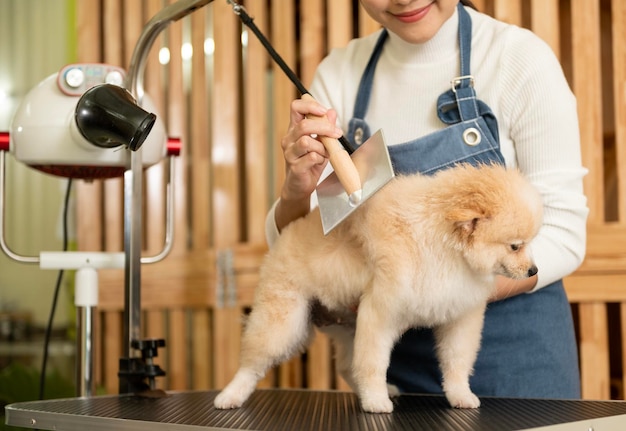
(108,116)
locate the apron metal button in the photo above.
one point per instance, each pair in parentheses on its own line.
(358,136)
(471,136)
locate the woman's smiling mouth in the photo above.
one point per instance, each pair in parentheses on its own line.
(414,15)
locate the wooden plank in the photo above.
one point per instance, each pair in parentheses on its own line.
(618,27)
(200,170)
(225,138)
(258,157)
(89,31)
(319,364)
(602,265)
(509,11)
(312,37)
(175,91)
(112,350)
(367,25)
(342,385)
(608,239)
(168,292)
(269,381)
(99,349)
(594,348)
(248,257)
(113,209)
(622,326)
(606,250)
(177,366)
(227,339)
(136,17)
(132,24)
(113,188)
(112,27)
(480,4)
(545,22)
(588,89)
(283,91)
(201,361)
(599,287)
(88,225)
(290,373)
(340,23)
(186,280)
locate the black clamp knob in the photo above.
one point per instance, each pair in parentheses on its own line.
(138,375)
(149,347)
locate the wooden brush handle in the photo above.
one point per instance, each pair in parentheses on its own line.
(342,163)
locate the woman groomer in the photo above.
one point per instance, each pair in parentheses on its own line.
(435,70)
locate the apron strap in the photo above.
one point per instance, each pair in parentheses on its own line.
(463,86)
(465,44)
(367,80)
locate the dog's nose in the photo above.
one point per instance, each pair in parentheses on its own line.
(532,271)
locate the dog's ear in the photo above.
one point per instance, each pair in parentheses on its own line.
(466,218)
(467,226)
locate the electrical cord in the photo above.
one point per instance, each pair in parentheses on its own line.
(48,336)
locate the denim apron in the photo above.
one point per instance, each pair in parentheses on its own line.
(529,346)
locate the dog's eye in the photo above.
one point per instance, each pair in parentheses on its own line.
(516,247)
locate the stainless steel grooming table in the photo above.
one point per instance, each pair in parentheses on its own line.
(304,410)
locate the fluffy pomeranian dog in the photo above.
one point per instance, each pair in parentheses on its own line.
(421,252)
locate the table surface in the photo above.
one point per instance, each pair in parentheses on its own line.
(305,410)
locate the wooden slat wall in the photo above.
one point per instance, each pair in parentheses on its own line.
(230,107)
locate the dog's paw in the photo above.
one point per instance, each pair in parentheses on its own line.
(228,400)
(463,400)
(237,391)
(380,404)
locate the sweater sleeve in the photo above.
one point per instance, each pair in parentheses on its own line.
(271,230)
(541,114)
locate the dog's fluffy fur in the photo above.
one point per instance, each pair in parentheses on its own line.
(421,252)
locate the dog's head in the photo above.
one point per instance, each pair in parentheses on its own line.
(496,212)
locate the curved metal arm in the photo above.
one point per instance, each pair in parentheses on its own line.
(169,220)
(3,245)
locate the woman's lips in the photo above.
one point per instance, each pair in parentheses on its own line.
(412,16)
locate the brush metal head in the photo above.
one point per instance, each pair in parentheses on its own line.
(375,170)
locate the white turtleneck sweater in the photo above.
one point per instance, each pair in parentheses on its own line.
(517,75)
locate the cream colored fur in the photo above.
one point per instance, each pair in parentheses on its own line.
(421,252)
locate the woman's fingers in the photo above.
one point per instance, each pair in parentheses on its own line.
(300,108)
(305,155)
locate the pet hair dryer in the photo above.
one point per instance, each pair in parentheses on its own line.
(74,124)
(79,123)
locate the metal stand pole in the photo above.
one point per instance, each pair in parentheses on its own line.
(86,300)
(131,366)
